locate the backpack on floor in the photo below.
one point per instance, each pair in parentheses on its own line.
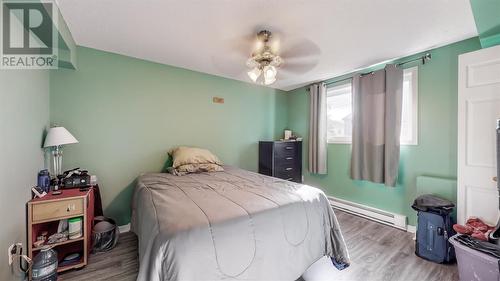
(434,227)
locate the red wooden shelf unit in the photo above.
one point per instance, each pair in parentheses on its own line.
(44,215)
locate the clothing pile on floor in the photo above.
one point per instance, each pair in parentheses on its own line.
(474,227)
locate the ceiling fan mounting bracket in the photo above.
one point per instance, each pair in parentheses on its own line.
(264,35)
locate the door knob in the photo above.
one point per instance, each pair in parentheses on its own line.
(495,179)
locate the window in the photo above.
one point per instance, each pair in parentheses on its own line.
(409,117)
(339,111)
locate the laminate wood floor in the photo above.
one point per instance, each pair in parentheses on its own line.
(119,264)
(378,252)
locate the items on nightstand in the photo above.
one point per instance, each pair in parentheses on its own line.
(38,192)
(58,237)
(70,259)
(43,181)
(75,228)
(76,178)
(62,226)
(40,239)
(38,243)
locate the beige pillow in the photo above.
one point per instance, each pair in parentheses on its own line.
(195,168)
(184,155)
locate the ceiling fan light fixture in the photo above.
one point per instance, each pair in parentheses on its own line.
(254,74)
(270,73)
(264,61)
(269,81)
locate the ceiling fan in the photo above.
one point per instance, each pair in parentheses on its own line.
(287,56)
(263,62)
(267,58)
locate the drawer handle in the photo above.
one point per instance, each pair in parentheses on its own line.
(289,179)
(68,209)
(288,169)
(288,147)
(289,158)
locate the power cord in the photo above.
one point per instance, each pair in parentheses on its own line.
(28,261)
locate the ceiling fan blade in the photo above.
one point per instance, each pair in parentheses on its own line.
(232,58)
(298,67)
(243,47)
(302,48)
(229,65)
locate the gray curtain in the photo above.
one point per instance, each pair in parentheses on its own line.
(317,129)
(377,105)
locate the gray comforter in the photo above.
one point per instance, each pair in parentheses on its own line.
(231,225)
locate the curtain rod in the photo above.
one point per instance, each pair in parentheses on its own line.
(425,58)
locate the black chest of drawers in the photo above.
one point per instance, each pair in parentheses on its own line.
(281,159)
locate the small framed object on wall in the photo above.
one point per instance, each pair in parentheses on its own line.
(218,100)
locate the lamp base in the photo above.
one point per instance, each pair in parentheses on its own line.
(57,154)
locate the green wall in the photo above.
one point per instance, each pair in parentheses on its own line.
(487,17)
(24,116)
(435,155)
(127,113)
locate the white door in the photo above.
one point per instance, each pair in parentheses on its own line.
(478,110)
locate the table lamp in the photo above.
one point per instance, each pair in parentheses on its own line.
(56,138)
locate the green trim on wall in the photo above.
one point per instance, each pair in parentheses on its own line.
(487,17)
(127,113)
(435,155)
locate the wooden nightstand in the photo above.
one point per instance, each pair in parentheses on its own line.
(44,215)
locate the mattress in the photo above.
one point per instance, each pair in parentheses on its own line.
(231,225)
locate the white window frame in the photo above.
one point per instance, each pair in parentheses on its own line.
(413,71)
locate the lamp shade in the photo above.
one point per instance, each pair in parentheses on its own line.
(59,136)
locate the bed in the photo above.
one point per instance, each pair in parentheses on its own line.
(231,225)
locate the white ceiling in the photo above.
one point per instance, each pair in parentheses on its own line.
(212,36)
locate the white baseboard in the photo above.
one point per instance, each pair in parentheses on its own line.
(411,229)
(381,216)
(124,228)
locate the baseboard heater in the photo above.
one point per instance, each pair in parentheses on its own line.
(381,216)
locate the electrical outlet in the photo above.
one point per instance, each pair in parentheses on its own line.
(11,252)
(14,250)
